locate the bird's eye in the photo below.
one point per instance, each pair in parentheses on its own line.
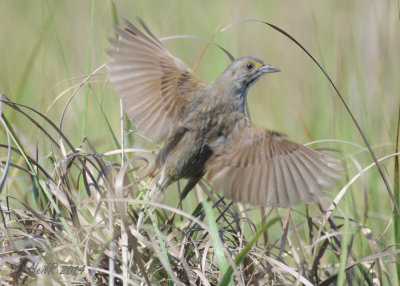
(249,66)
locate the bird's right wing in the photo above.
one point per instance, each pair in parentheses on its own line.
(155,87)
(263,168)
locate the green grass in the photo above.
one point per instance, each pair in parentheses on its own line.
(65,197)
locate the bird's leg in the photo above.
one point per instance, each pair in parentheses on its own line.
(152,195)
(192,182)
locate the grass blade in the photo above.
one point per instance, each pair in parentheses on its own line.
(215,238)
(88,61)
(211,38)
(344,249)
(166,263)
(396,186)
(240,257)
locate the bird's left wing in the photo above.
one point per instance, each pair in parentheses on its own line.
(155,87)
(263,168)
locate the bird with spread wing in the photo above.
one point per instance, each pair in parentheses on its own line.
(205,126)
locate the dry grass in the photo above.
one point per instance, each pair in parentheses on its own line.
(84,223)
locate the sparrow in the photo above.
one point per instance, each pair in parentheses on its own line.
(205,127)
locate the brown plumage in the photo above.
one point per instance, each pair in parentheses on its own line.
(205,126)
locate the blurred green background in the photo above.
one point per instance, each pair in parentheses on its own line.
(44,55)
(44,48)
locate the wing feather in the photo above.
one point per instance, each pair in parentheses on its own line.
(263,168)
(154,85)
(299,181)
(291,189)
(245,196)
(272,197)
(252,195)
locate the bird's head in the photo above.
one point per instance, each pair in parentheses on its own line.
(247,70)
